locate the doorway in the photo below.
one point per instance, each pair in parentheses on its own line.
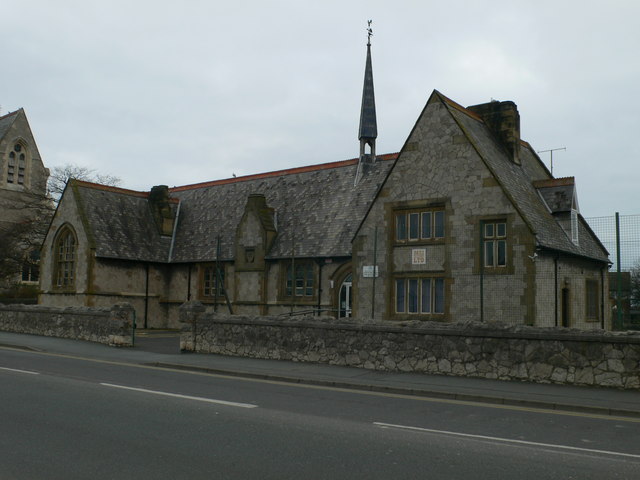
(344,300)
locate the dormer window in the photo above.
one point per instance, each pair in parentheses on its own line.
(574,227)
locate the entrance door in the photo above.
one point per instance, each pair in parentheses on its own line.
(345,298)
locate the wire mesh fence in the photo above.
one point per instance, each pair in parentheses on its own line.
(620,235)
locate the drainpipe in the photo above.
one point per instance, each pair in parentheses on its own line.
(189,284)
(555,280)
(146,294)
(481,239)
(174,232)
(375,268)
(320,264)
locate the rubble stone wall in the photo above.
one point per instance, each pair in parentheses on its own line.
(111,326)
(488,350)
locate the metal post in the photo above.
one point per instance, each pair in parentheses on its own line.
(133,329)
(619,275)
(189,283)
(481,271)
(375,267)
(555,283)
(320,263)
(217,284)
(602,274)
(551,152)
(146,295)
(293,271)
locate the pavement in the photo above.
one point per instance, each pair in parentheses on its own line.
(161,349)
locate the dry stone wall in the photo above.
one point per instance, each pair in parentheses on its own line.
(111,326)
(488,350)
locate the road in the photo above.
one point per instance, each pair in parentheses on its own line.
(63,417)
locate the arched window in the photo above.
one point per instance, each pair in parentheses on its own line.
(65,258)
(11,168)
(17,164)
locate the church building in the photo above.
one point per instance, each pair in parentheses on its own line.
(23,199)
(465,223)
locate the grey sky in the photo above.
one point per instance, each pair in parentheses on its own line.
(178,92)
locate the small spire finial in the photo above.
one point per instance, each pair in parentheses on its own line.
(369,32)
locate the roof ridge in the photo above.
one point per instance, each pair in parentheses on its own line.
(457,106)
(554,182)
(110,188)
(278,173)
(15,112)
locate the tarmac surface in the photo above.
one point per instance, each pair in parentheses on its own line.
(161,349)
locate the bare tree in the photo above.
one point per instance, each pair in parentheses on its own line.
(59,177)
(23,229)
(21,235)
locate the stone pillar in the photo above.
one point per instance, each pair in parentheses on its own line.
(188,317)
(122,316)
(123,312)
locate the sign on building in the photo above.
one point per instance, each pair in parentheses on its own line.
(368,271)
(419,256)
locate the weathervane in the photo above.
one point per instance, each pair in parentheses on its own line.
(369,33)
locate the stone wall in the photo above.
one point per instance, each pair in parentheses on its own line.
(488,350)
(111,326)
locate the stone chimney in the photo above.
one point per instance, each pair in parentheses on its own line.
(161,209)
(504,120)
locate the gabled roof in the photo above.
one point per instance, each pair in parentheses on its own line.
(120,223)
(517,182)
(6,121)
(558,193)
(317,209)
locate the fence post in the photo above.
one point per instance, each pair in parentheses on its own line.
(618,276)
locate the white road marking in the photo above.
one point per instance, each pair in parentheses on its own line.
(19,371)
(186,397)
(506,440)
(421,398)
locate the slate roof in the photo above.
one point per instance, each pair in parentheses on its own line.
(6,121)
(318,209)
(518,184)
(120,224)
(558,193)
(318,206)
(368,124)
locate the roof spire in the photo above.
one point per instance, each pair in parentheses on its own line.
(368,125)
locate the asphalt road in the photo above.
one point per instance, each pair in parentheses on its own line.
(67,418)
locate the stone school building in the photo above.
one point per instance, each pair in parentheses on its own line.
(465,223)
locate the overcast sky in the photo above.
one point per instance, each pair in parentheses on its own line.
(179,92)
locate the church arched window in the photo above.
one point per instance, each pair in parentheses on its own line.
(65,248)
(17,164)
